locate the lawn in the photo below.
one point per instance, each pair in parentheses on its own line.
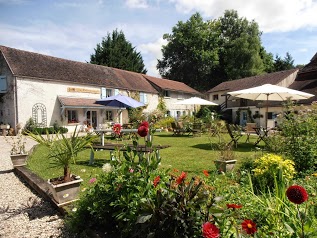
(186,153)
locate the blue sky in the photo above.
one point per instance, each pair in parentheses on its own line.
(71,29)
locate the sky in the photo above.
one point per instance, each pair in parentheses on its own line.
(71,29)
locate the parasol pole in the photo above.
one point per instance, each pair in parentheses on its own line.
(267,110)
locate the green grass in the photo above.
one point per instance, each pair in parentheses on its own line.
(186,153)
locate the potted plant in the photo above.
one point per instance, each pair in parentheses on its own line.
(18,153)
(63,151)
(226,160)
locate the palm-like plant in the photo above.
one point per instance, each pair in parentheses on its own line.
(62,149)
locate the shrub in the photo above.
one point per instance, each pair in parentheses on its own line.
(298,127)
(271,167)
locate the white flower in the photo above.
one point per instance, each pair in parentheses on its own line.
(107,168)
(74,209)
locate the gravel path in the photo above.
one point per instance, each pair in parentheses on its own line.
(23,213)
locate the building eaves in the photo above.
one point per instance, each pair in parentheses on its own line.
(249,82)
(43,67)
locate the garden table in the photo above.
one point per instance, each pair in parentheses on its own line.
(123,147)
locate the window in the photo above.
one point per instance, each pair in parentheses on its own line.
(109,116)
(271,115)
(106,92)
(72,116)
(215,97)
(143,98)
(3,84)
(167,93)
(180,96)
(178,114)
(184,113)
(168,113)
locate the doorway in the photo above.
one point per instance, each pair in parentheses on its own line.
(92,118)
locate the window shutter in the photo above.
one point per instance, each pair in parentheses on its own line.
(3,84)
(103,93)
(145,98)
(116,91)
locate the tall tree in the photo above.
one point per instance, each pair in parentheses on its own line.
(283,64)
(191,53)
(203,54)
(115,51)
(241,46)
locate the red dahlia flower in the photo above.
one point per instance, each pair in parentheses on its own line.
(142,131)
(156,181)
(206,173)
(210,230)
(145,123)
(248,226)
(117,128)
(181,178)
(297,194)
(234,206)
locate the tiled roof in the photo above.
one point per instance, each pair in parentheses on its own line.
(309,71)
(307,86)
(78,102)
(171,85)
(29,64)
(238,84)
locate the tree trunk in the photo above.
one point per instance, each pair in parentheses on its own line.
(67,174)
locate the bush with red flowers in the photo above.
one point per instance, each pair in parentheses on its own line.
(117,129)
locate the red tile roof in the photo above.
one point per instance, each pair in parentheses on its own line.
(309,71)
(171,85)
(34,65)
(78,102)
(238,84)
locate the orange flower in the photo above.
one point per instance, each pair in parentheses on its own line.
(206,173)
(156,181)
(181,178)
(234,206)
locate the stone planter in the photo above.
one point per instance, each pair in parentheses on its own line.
(225,165)
(64,193)
(19,160)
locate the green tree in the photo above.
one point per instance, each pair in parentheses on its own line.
(283,64)
(115,51)
(203,54)
(241,47)
(191,53)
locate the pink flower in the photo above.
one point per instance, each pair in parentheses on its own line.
(92,180)
(210,230)
(131,170)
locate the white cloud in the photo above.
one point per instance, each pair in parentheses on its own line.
(137,3)
(272,16)
(152,51)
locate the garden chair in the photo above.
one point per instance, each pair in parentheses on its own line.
(235,133)
(177,130)
(250,130)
